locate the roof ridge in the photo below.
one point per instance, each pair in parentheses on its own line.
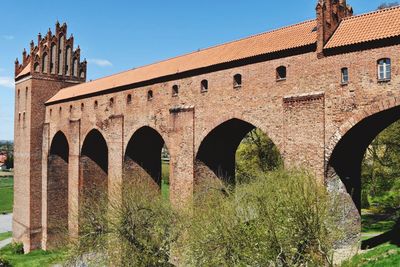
(372,12)
(204,49)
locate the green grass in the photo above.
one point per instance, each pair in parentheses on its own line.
(6,195)
(38,258)
(375,223)
(6,235)
(165,180)
(383,256)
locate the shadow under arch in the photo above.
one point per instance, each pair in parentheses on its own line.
(93,164)
(57,191)
(216,156)
(344,166)
(142,160)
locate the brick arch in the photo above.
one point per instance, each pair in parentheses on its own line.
(216,152)
(266,129)
(57,190)
(142,157)
(355,119)
(87,131)
(131,132)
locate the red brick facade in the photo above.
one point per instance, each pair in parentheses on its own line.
(306,115)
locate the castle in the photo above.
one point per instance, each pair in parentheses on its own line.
(321,89)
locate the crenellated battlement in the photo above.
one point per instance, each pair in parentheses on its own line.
(53,56)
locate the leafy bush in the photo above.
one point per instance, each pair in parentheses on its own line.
(283,217)
(17,248)
(4,262)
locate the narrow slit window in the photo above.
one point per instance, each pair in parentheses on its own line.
(204,86)
(129,99)
(175,90)
(384,69)
(281,73)
(82,106)
(345,76)
(111,102)
(96,104)
(237,81)
(149,95)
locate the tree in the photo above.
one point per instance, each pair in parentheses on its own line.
(387,5)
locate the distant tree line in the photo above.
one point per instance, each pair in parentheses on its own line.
(387,5)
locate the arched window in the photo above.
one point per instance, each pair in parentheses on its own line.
(44,62)
(82,106)
(53,54)
(75,68)
(150,95)
(281,73)
(68,61)
(237,81)
(384,69)
(345,76)
(111,102)
(70,108)
(60,54)
(129,99)
(82,74)
(96,104)
(204,86)
(36,67)
(175,90)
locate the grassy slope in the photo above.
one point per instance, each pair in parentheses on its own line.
(383,256)
(37,258)
(165,177)
(6,195)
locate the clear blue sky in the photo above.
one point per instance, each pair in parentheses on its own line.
(120,34)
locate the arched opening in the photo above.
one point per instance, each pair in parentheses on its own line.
(57,191)
(44,62)
(147,160)
(53,55)
(345,168)
(93,167)
(224,150)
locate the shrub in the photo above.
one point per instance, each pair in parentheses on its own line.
(136,231)
(284,218)
(4,262)
(17,248)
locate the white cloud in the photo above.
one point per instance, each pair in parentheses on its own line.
(8,37)
(6,82)
(100,62)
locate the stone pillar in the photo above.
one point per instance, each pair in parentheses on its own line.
(45,153)
(73,178)
(181,148)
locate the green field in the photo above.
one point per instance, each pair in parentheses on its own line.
(6,195)
(37,258)
(165,180)
(5,235)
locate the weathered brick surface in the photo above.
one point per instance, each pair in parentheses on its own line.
(305,115)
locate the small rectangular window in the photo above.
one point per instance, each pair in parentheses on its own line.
(345,76)
(384,69)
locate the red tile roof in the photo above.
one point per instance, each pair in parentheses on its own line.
(373,26)
(290,37)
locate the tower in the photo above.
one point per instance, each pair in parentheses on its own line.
(49,66)
(329,15)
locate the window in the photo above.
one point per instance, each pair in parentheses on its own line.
(96,104)
(18,93)
(149,95)
(44,62)
(82,107)
(384,69)
(345,76)
(237,81)
(53,54)
(111,102)
(204,86)
(36,67)
(175,90)
(51,111)
(19,116)
(281,73)
(70,108)
(129,99)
